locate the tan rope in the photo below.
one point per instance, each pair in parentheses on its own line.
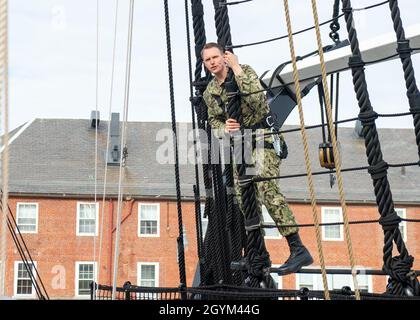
(337,159)
(4,100)
(306,150)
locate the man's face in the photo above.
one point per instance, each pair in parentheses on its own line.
(213,60)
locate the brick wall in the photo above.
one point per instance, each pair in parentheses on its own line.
(56,247)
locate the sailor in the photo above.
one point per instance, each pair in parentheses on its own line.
(255,115)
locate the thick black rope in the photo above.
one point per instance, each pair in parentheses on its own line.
(401,267)
(257,257)
(180,239)
(215,262)
(374,155)
(196,188)
(404,51)
(235,219)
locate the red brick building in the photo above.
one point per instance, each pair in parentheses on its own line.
(71,239)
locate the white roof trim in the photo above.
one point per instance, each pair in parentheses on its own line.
(17,134)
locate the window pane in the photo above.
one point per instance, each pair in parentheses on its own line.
(332,232)
(148,273)
(87,210)
(24,283)
(148,227)
(148,212)
(26,217)
(86,276)
(86,226)
(332,216)
(27,228)
(87,218)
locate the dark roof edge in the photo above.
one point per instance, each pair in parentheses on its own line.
(187,198)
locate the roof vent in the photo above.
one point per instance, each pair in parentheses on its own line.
(94,119)
(114,151)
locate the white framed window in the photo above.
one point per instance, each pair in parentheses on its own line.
(331,215)
(335,281)
(23,287)
(403,224)
(305,280)
(148,276)
(270,233)
(87,217)
(84,275)
(27,217)
(204,220)
(149,220)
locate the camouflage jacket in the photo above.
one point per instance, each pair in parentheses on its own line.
(254,107)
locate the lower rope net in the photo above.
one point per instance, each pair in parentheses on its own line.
(230,292)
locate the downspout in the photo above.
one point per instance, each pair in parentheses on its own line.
(113,229)
(111,210)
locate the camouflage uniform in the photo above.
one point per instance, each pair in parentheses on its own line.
(267,163)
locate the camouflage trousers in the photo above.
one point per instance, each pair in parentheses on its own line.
(267,164)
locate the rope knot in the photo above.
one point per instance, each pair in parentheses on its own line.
(379,170)
(400,269)
(347,10)
(253,223)
(368,117)
(258,264)
(245,181)
(390,221)
(403,49)
(356,62)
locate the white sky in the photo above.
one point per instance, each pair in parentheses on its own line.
(53,56)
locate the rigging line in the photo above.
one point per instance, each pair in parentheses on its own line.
(281,37)
(29,266)
(317,173)
(336,152)
(123,141)
(367,63)
(225,3)
(306,148)
(96,138)
(304,30)
(180,239)
(306,225)
(197,180)
(380,115)
(12,221)
(4,101)
(107,143)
